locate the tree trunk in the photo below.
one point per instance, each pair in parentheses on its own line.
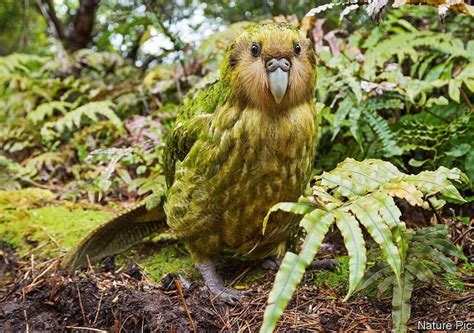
(83,25)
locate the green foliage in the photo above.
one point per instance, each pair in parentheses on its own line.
(361,194)
(426,256)
(336,278)
(399,92)
(53,126)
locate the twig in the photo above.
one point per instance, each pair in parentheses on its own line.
(123,323)
(462,235)
(179,286)
(98,308)
(51,237)
(80,303)
(86,329)
(32,266)
(26,321)
(44,271)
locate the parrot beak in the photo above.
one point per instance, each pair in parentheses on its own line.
(278,74)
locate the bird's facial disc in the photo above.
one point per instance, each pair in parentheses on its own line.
(278,74)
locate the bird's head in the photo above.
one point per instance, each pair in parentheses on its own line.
(271,66)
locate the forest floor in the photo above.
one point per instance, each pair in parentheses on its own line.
(154,287)
(43,298)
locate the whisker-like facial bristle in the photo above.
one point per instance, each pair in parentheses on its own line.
(249,75)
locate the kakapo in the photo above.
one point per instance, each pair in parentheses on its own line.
(242,145)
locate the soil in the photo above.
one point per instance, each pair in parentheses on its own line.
(40,297)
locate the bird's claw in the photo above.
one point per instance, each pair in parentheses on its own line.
(216,285)
(229,295)
(274,264)
(271,264)
(330,264)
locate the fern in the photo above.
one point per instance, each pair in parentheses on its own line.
(431,141)
(75,118)
(406,44)
(384,133)
(46,110)
(18,137)
(426,256)
(355,195)
(47,161)
(20,63)
(12,174)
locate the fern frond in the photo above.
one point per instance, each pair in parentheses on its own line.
(46,110)
(406,44)
(360,194)
(75,118)
(384,133)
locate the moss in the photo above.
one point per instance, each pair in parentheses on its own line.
(454,282)
(337,278)
(45,231)
(25,198)
(171,259)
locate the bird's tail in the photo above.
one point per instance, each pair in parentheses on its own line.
(117,235)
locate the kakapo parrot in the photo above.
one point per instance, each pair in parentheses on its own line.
(242,145)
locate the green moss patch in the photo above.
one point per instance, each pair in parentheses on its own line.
(45,231)
(170,259)
(26,198)
(336,278)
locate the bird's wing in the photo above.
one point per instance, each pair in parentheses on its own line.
(193,118)
(180,141)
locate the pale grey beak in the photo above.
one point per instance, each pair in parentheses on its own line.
(278,77)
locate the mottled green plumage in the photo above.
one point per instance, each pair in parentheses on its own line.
(234,152)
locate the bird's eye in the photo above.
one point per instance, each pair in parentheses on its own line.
(297,48)
(255,49)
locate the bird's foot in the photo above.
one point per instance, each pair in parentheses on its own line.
(274,264)
(330,264)
(228,295)
(216,285)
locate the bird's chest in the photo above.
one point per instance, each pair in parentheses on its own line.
(269,161)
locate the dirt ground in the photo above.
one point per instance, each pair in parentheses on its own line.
(40,297)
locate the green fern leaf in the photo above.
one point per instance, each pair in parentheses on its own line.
(45,110)
(366,212)
(292,268)
(401,303)
(355,245)
(73,119)
(290,207)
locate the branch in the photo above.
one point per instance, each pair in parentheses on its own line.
(136,47)
(52,17)
(61,53)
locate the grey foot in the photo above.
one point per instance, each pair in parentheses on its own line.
(271,264)
(274,264)
(330,264)
(216,285)
(327,247)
